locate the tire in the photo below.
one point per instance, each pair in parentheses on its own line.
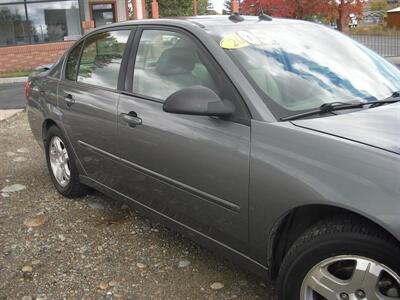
(70,187)
(336,246)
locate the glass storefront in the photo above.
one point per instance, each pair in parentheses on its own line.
(33,21)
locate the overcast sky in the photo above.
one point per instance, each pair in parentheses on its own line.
(218,5)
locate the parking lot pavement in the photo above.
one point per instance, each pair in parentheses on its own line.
(12,95)
(93,247)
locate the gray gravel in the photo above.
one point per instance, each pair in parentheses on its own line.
(95,247)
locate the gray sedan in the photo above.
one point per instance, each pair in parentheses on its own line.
(274,142)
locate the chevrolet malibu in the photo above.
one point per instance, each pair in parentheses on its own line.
(274,142)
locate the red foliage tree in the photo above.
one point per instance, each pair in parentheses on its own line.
(340,11)
(333,10)
(276,8)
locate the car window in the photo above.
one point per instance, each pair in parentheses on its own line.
(55,71)
(168,61)
(101,58)
(72,63)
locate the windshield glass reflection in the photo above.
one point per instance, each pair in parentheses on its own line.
(302,65)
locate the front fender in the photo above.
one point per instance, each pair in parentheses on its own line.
(293,167)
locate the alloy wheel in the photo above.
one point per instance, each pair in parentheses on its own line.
(350,278)
(59,161)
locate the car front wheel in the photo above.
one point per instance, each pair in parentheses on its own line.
(341,259)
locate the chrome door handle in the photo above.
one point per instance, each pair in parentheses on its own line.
(132,119)
(69,99)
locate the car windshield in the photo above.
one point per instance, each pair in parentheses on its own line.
(298,66)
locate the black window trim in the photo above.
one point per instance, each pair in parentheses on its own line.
(122,69)
(59,63)
(128,89)
(64,69)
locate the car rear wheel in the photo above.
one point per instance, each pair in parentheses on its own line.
(61,165)
(341,259)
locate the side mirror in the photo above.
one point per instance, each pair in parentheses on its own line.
(198,100)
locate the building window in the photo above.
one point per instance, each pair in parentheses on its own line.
(54,21)
(38,22)
(103,14)
(13,25)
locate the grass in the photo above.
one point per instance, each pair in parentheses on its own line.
(22,73)
(376,29)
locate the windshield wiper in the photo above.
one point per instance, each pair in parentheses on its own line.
(395,95)
(330,107)
(393,98)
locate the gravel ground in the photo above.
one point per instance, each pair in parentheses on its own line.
(95,247)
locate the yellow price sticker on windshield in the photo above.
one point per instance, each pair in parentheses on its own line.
(233,41)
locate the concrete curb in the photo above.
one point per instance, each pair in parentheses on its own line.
(8,113)
(12,79)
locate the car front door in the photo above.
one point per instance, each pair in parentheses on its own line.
(194,169)
(88,100)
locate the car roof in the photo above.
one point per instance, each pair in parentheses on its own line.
(203,21)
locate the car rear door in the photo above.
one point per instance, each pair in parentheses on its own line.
(88,99)
(194,169)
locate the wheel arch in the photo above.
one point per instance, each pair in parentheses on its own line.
(47,123)
(294,222)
